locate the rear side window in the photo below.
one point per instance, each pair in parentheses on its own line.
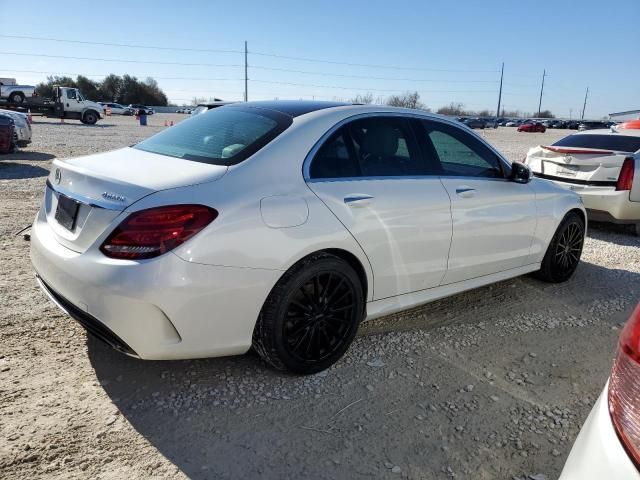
(371,147)
(223,136)
(616,142)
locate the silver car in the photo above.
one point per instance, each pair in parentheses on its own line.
(22,131)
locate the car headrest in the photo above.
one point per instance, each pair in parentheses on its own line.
(381,141)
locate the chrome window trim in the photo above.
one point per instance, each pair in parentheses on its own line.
(404,177)
(306,166)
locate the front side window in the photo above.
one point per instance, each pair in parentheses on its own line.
(460,154)
(225,136)
(71,94)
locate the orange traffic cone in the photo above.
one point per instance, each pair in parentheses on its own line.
(166,124)
(29,116)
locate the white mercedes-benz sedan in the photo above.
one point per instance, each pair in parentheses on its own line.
(283,225)
(608,445)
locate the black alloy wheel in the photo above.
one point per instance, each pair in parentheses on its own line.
(564,251)
(311,316)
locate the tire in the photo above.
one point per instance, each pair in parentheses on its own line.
(16,97)
(564,251)
(90,117)
(311,316)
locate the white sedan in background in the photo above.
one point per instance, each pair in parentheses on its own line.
(117,109)
(602,166)
(22,129)
(283,225)
(608,446)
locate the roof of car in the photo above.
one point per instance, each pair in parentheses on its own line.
(293,108)
(631,132)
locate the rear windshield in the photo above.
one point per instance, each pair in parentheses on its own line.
(222,136)
(618,143)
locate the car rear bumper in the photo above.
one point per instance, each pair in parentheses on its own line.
(597,452)
(605,203)
(163,308)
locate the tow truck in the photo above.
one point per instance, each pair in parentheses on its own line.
(67,103)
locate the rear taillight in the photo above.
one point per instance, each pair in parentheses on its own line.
(152,232)
(625,179)
(624,388)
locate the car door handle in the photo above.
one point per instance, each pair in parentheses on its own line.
(358,200)
(465,192)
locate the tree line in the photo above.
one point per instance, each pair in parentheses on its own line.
(123,89)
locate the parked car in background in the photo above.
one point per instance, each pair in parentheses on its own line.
(136,107)
(14,93)
(559,124)
(475,123)
(608,445)
(7,137)
(532,127)
(511,123)
(592,125)
(275,224)
(117,109)
(602,166)
(22,127)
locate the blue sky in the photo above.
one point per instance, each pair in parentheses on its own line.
(448,50)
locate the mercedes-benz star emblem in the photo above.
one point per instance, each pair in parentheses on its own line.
(58,175)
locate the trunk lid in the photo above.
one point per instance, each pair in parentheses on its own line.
(582,166)
(93,190)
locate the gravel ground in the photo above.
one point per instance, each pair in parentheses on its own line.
(492,383)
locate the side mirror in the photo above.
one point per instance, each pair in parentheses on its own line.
(520,173)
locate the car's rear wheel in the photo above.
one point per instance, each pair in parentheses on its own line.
(564,251)
(311,316)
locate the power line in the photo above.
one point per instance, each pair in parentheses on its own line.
(363,88)
(394,67)
(263,54)
(306,72)
(118,60)
(153,47)
(138,74)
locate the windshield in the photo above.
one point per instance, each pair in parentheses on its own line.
(222,136)
(615,142)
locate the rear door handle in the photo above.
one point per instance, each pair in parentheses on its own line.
(465,192)
(358,200)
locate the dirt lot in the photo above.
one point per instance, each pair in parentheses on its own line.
(494,383)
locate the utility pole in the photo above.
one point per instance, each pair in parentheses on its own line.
(584,106)
(544,74)
(570,112)
(246,78)
(500,92)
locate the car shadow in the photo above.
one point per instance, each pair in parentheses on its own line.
(27,155)
(19,171)
(177,406)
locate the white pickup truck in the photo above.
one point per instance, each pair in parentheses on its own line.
(14,93)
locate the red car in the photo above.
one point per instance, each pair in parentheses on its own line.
(532,127)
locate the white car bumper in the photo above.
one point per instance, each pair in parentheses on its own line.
(597,453)
(606,203)
(23,135)
(163,308)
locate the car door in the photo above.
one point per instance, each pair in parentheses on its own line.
(493,217)
(371,175)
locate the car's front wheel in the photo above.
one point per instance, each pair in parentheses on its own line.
(564,251)
(311,316)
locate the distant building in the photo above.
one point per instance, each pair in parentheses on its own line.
(628,115)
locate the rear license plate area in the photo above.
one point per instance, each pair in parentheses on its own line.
(67,212)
